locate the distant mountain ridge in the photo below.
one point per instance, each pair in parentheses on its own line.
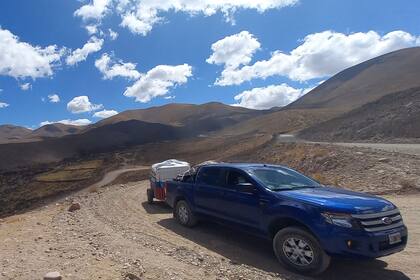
(365,82)
(199,118)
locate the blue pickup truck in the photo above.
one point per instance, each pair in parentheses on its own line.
(308,223)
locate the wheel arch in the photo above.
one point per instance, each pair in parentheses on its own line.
(283,222)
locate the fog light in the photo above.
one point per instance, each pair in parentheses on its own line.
(349,243)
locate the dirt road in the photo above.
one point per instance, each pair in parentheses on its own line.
(116,235)
(411,149)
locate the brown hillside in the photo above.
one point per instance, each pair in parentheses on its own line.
(365,82)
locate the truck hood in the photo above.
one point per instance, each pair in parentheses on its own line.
(339,200)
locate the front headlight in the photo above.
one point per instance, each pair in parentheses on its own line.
(338,219)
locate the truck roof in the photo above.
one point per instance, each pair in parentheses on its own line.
(245,165)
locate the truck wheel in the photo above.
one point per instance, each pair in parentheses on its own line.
(184,215)
(150,196)
(299,250)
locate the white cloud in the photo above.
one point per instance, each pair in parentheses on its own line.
(22,60)
(25,86)
(118,68)
(96,10)
(270,96)
(92,29)
(170,97)
(105,114)
(93,45)
(54,98)
(82,104)
(139,16)
(3,105)
(320,55)
(79,122)
(112,34)
(234,50)
(157,81)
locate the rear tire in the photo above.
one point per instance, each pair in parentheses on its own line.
(299,250)
(184,215)
(150,196)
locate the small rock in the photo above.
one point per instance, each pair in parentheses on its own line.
(53,276)
(131,276)
(383,160)
(74,207)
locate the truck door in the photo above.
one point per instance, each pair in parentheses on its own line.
(209,190)
(241,200)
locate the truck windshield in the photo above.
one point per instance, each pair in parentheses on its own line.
(277,179)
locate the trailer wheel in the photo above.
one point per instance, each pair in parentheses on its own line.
(184,215)
(150,196)
(299,250)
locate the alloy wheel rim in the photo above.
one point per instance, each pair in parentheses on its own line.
(183,214)
(298,251)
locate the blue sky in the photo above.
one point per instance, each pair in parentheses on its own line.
(269,54)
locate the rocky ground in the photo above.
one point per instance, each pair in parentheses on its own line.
(116,235)
(357,168)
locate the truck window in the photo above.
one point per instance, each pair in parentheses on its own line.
(212,176)
(235,178)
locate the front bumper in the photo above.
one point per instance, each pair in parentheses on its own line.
(363,244)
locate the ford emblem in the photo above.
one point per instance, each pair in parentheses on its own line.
(387,220)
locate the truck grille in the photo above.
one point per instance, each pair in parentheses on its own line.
(380,221)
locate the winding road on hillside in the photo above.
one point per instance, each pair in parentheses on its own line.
(411,149)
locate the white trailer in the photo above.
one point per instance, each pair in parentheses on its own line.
(162,172)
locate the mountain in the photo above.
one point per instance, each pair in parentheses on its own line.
(12,133)
(366,82)
(195,119)
(106,138)
(55,130)
(199,118)
(18,134)
(127,129)
(394,117)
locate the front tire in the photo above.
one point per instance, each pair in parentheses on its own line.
(299,250)
(184,215)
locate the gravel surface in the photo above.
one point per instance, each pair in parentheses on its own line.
(116,235)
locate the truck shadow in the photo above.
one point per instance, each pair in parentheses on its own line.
(158,207)
(241,248)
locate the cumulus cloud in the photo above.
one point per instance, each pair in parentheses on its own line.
(3,105)
(320,55)
(105,114)
(112,34)
(157,82)
(82,104)
(110,68)
(22,60)
(96,10)
(93,45)
(140,16)
(25,86)
(79,122)
(91,29)
(269,97)
(54,98)
(235,50)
